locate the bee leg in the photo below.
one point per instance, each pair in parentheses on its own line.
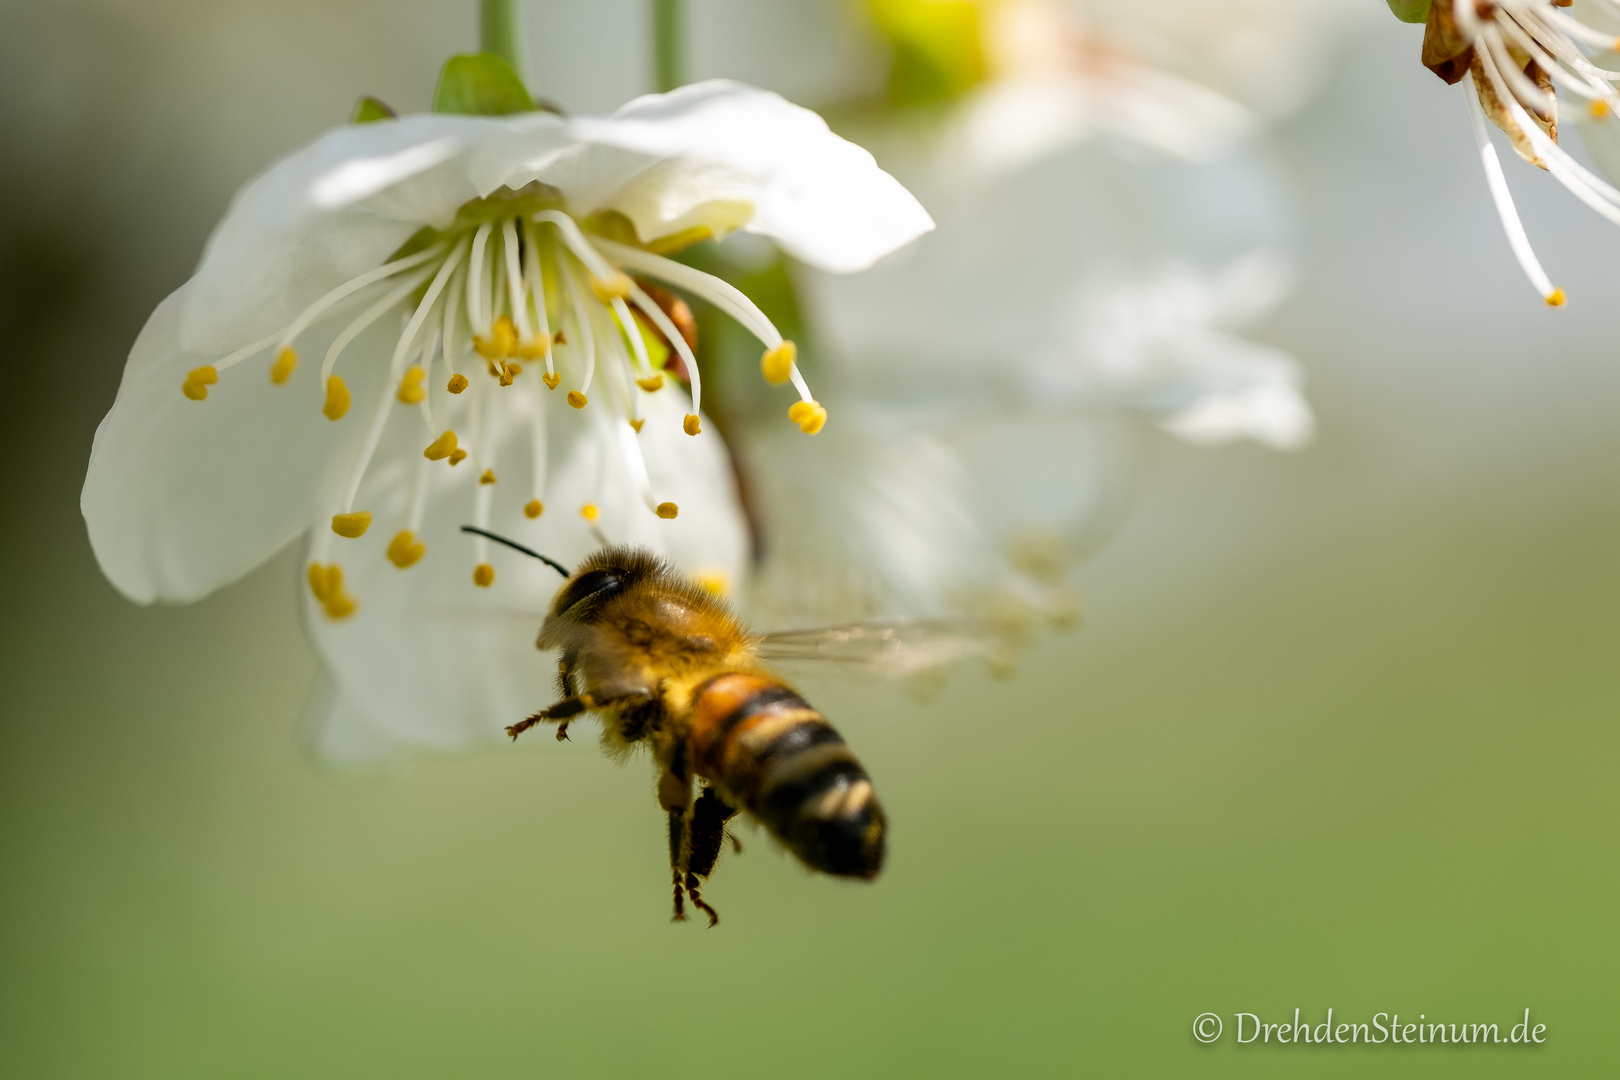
(675,796)
(562,731)
(565,675)
(562,710)
(708,829)
(736,844)
(677,837)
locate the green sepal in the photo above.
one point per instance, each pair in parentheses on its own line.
(480,84)
(368,110)
(1413,11)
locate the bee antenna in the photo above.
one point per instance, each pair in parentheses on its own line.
(515,546)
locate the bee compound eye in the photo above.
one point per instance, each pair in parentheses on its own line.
(594,584)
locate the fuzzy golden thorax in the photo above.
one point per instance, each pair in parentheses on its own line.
(628,623)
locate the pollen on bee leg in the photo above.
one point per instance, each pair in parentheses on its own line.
(691,425)
(651,383)
(198,380)
(483,575)
(405,549)
(590,512)
(411,390)
(533,508)
(352,525)
(338,398)
(488,477)
(457,383)
(809,415)
(282,369)
(609,289)
(577,399)
(441,448)
(777,364)
(667,510)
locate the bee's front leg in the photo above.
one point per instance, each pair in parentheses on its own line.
(561,712)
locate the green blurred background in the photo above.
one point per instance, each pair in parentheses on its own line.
(1339,729)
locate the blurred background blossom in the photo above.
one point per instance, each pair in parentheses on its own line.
(1339,727)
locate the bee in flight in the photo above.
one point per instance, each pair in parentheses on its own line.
(665,664)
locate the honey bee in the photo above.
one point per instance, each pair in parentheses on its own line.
(665,664)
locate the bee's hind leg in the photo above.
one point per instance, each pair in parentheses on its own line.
(707,833)
(562,711)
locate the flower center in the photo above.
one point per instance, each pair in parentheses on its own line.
(513,293)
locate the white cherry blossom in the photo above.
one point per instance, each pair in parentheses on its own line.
(424,322)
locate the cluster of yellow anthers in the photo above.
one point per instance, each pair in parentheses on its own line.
(514,282)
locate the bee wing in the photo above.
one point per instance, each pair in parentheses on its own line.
(890,648)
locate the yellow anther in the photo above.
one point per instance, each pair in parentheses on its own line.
(777,364)
(667,510)
(441,448)
(551,379)
(507,373)
(488,477)
(636,425)
(515,369)
(483,575)
(809,415)
(690,425)
(558,338)
(282,369)
(457,456)
(457,384)
(717,582)
(405,550)
(652,383)
(533,508)
(1599,108)
(411,390)
(198,380)
(505,334)
(533,350)
(326,583)
(576,399)
(486,347)
(340,607)
(352,525)
(590,512)
(1556,298)
(609,289)
(337,398)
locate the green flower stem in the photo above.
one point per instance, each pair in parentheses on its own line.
(500,32)
(669,43)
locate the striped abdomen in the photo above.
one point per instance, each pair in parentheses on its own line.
(773,755)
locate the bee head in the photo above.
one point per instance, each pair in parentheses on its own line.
(602,576)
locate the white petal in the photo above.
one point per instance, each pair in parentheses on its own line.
(324,214)
(184,496)
(822,198)
(1273,414)
(431,661)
